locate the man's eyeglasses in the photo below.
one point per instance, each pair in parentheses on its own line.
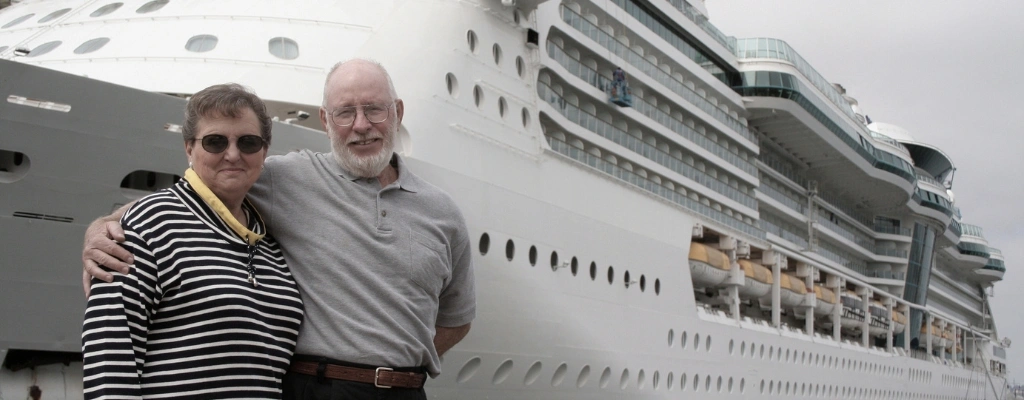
(247,144)
(375,113)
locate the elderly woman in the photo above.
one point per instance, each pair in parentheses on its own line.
(209,309)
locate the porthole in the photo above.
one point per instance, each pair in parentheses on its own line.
(478,95)
(743,347)
(731,346)
(718,385)
(471,40)
(584,376)
(516,17)
(502,373)
(643,283)
(554,261)
(624,379)
(707,343)
(641,380)
(201,43)
(559,376)
(606,376)
(44,48)
(657,286)
(683,382)
(54,15)
(743,385)
(510,249)
(762,386)
(696,341)
(668,381)
(18,20)
(707,383)
(468,370)
(485,244)
(502,107)
(533,373)
(152,6)
(671,337)
(283,48)
(520,66)
(107,9)
(533,256)
(526,118)
(696,382)
(682,341)
(611,275)
(593,271)
(625,279)
(496,52)
(574,266)
(453,85)
(91,45)
(14,165)
(730,385)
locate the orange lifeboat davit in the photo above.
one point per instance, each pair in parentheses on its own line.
(709,267)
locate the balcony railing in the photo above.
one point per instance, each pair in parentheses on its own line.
(602,83)
(600,164)
(786,200)
(608,131)
(693,15)
(650,69)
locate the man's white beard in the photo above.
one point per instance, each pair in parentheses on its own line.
(367,166)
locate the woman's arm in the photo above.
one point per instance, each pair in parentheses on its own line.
(116,326)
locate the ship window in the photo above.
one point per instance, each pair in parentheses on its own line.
(485,244)
(510,249)
(526,118)
(593,271)
(496,51)
(502,106)
(657,287)
(520,66)
(107,9)
(554,261)
(13,166)
(44,48)
(478,95)
(201,43)
(54,15)
(471,39)
(533,256)
(17,21)
(92,45)
(152,6)
(574,266)
(284,48)
(611,275)
(453,85)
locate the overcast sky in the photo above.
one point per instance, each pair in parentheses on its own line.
(947,71)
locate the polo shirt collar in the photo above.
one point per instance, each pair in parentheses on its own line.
(406,180)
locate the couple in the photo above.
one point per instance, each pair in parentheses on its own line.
(210,310)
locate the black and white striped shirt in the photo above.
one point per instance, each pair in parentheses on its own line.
(186,321)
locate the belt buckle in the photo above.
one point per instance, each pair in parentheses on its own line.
(376,376)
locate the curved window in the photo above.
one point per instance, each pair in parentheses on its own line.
(152,6)
(201,43)
(17,21)
(44,48)
(282,47)
(54,15)
(107,9)
(92,45)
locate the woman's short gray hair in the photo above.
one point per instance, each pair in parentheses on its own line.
(225,100)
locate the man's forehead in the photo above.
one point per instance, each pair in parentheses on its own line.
(357,84)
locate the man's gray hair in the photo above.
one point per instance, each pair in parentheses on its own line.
(391,85)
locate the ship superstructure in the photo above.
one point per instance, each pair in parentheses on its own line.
(659,209)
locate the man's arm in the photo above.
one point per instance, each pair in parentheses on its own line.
(101,248)
(446,338)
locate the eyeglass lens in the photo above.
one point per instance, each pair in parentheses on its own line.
(375,113)
(247,144)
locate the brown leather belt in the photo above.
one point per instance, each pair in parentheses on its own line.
(381,377)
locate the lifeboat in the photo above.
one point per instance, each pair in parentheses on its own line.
(880,319)
(936,334)
(947,338)
(792,294)
(899,321)
(826,300)
(757,281)
(853,311)
(709,267)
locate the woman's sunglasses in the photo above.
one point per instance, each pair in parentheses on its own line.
(247,144)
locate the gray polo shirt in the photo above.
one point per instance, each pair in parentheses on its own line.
(378,268)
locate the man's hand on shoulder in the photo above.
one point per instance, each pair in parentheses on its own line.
(101,249)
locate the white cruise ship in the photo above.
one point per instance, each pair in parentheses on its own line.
(723,224)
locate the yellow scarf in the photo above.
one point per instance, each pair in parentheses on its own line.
(211,200)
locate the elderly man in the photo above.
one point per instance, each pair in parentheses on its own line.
(382,257)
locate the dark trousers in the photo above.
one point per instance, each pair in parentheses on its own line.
(300,386)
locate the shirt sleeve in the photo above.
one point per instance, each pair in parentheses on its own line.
(457,303)
(116,325)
